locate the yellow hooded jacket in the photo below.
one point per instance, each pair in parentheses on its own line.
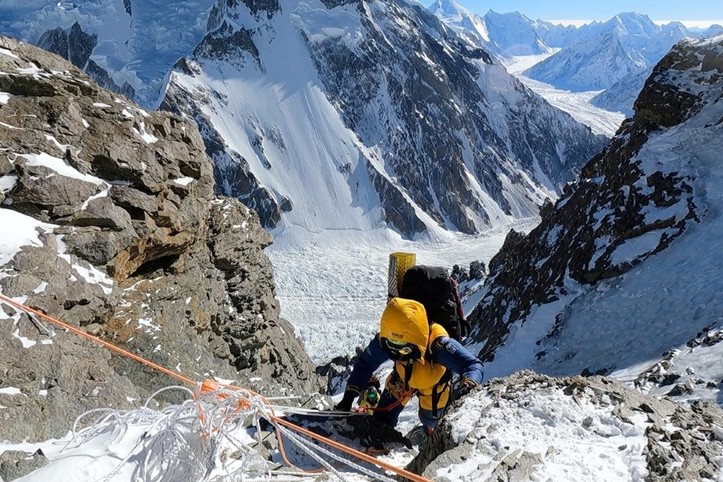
(405,321)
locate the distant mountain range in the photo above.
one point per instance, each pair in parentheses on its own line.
(324,116)
(615,56)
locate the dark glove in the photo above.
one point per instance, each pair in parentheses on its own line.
(345,403)
(465,387)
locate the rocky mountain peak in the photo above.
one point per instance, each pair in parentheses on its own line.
(632,203)
(434,132)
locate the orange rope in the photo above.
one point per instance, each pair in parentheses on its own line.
(97,340)
(206,386)
(351,451)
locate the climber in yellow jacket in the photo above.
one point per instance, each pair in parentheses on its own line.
(424,357)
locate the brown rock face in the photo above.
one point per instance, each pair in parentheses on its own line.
(136,249)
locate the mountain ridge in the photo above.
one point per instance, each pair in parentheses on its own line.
(396,154)
(400,124)
(623,248)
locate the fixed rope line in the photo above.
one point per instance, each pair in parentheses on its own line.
(351,451)
(180,377)
(97,340)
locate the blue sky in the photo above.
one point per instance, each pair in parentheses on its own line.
(708,11)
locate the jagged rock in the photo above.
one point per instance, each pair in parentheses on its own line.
(136,248)
(75,45)
(336,372)
(6,167)
(102,213)
(103,78)
(256,6)
(607,208)
(477,270)
(14,464)
(516,466)
(42,193)
(72,44)
(680,441)
(680,389)
(57,378)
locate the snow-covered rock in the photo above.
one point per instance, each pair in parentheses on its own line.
(625,266)
(533,427)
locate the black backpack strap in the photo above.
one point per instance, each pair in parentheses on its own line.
(408,367)
(438,389)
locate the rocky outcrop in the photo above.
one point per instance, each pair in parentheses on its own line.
(72,44)
(127,240)
(678,442)
(624,208)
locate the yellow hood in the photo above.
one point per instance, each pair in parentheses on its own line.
(405,321)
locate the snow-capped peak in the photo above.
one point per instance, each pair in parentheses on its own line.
(354,138)
(449,9)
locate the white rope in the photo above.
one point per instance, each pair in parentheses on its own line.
(198,440)
(316,413)
(309,447)
(303,444)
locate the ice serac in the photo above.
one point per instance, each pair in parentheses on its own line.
(619,257)
(360,115)
(132,245)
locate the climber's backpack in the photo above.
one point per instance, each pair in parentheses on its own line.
(433,287)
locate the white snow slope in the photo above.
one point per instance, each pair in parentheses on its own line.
(628,322)
(577,104)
